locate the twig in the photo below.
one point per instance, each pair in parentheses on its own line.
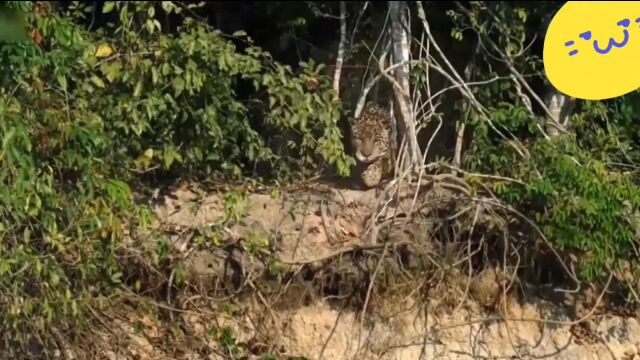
(372,281)
(469,265)
(342,251)
(335,325)
(551,322)
(372,53)
(331,234)
(170,282)
(479,175)
(507,60)
(543,237)
(357,22)
(466,91)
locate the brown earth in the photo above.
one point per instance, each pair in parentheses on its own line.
(310,225)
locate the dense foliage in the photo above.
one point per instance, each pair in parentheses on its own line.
(580,188)
(84,113)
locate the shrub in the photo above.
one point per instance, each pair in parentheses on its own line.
(82,114)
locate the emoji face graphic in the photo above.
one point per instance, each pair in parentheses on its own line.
(592,49)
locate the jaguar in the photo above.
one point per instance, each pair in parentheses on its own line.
(370,136)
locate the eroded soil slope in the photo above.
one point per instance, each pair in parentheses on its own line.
(323,230)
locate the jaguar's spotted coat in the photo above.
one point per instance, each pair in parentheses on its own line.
(370,135)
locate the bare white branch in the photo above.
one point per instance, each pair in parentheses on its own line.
(341,47)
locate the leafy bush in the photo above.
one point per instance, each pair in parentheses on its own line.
(582,202)
(580,206)
(185,105)
(579,189)
(82,114)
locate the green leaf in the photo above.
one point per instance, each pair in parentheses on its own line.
(239,33)
(38,267)
(167,6)
(178,85)
(180,274)
(108,6)
(116,277)
(154,75)
(166,69)
(54,278)
(111,71)
(138,90)
(97,81)
(150,26)
(62,80)
(169,157)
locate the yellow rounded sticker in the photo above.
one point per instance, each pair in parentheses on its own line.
(592,49)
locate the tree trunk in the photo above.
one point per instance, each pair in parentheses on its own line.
(341,47)
(461,124)
(402,88)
